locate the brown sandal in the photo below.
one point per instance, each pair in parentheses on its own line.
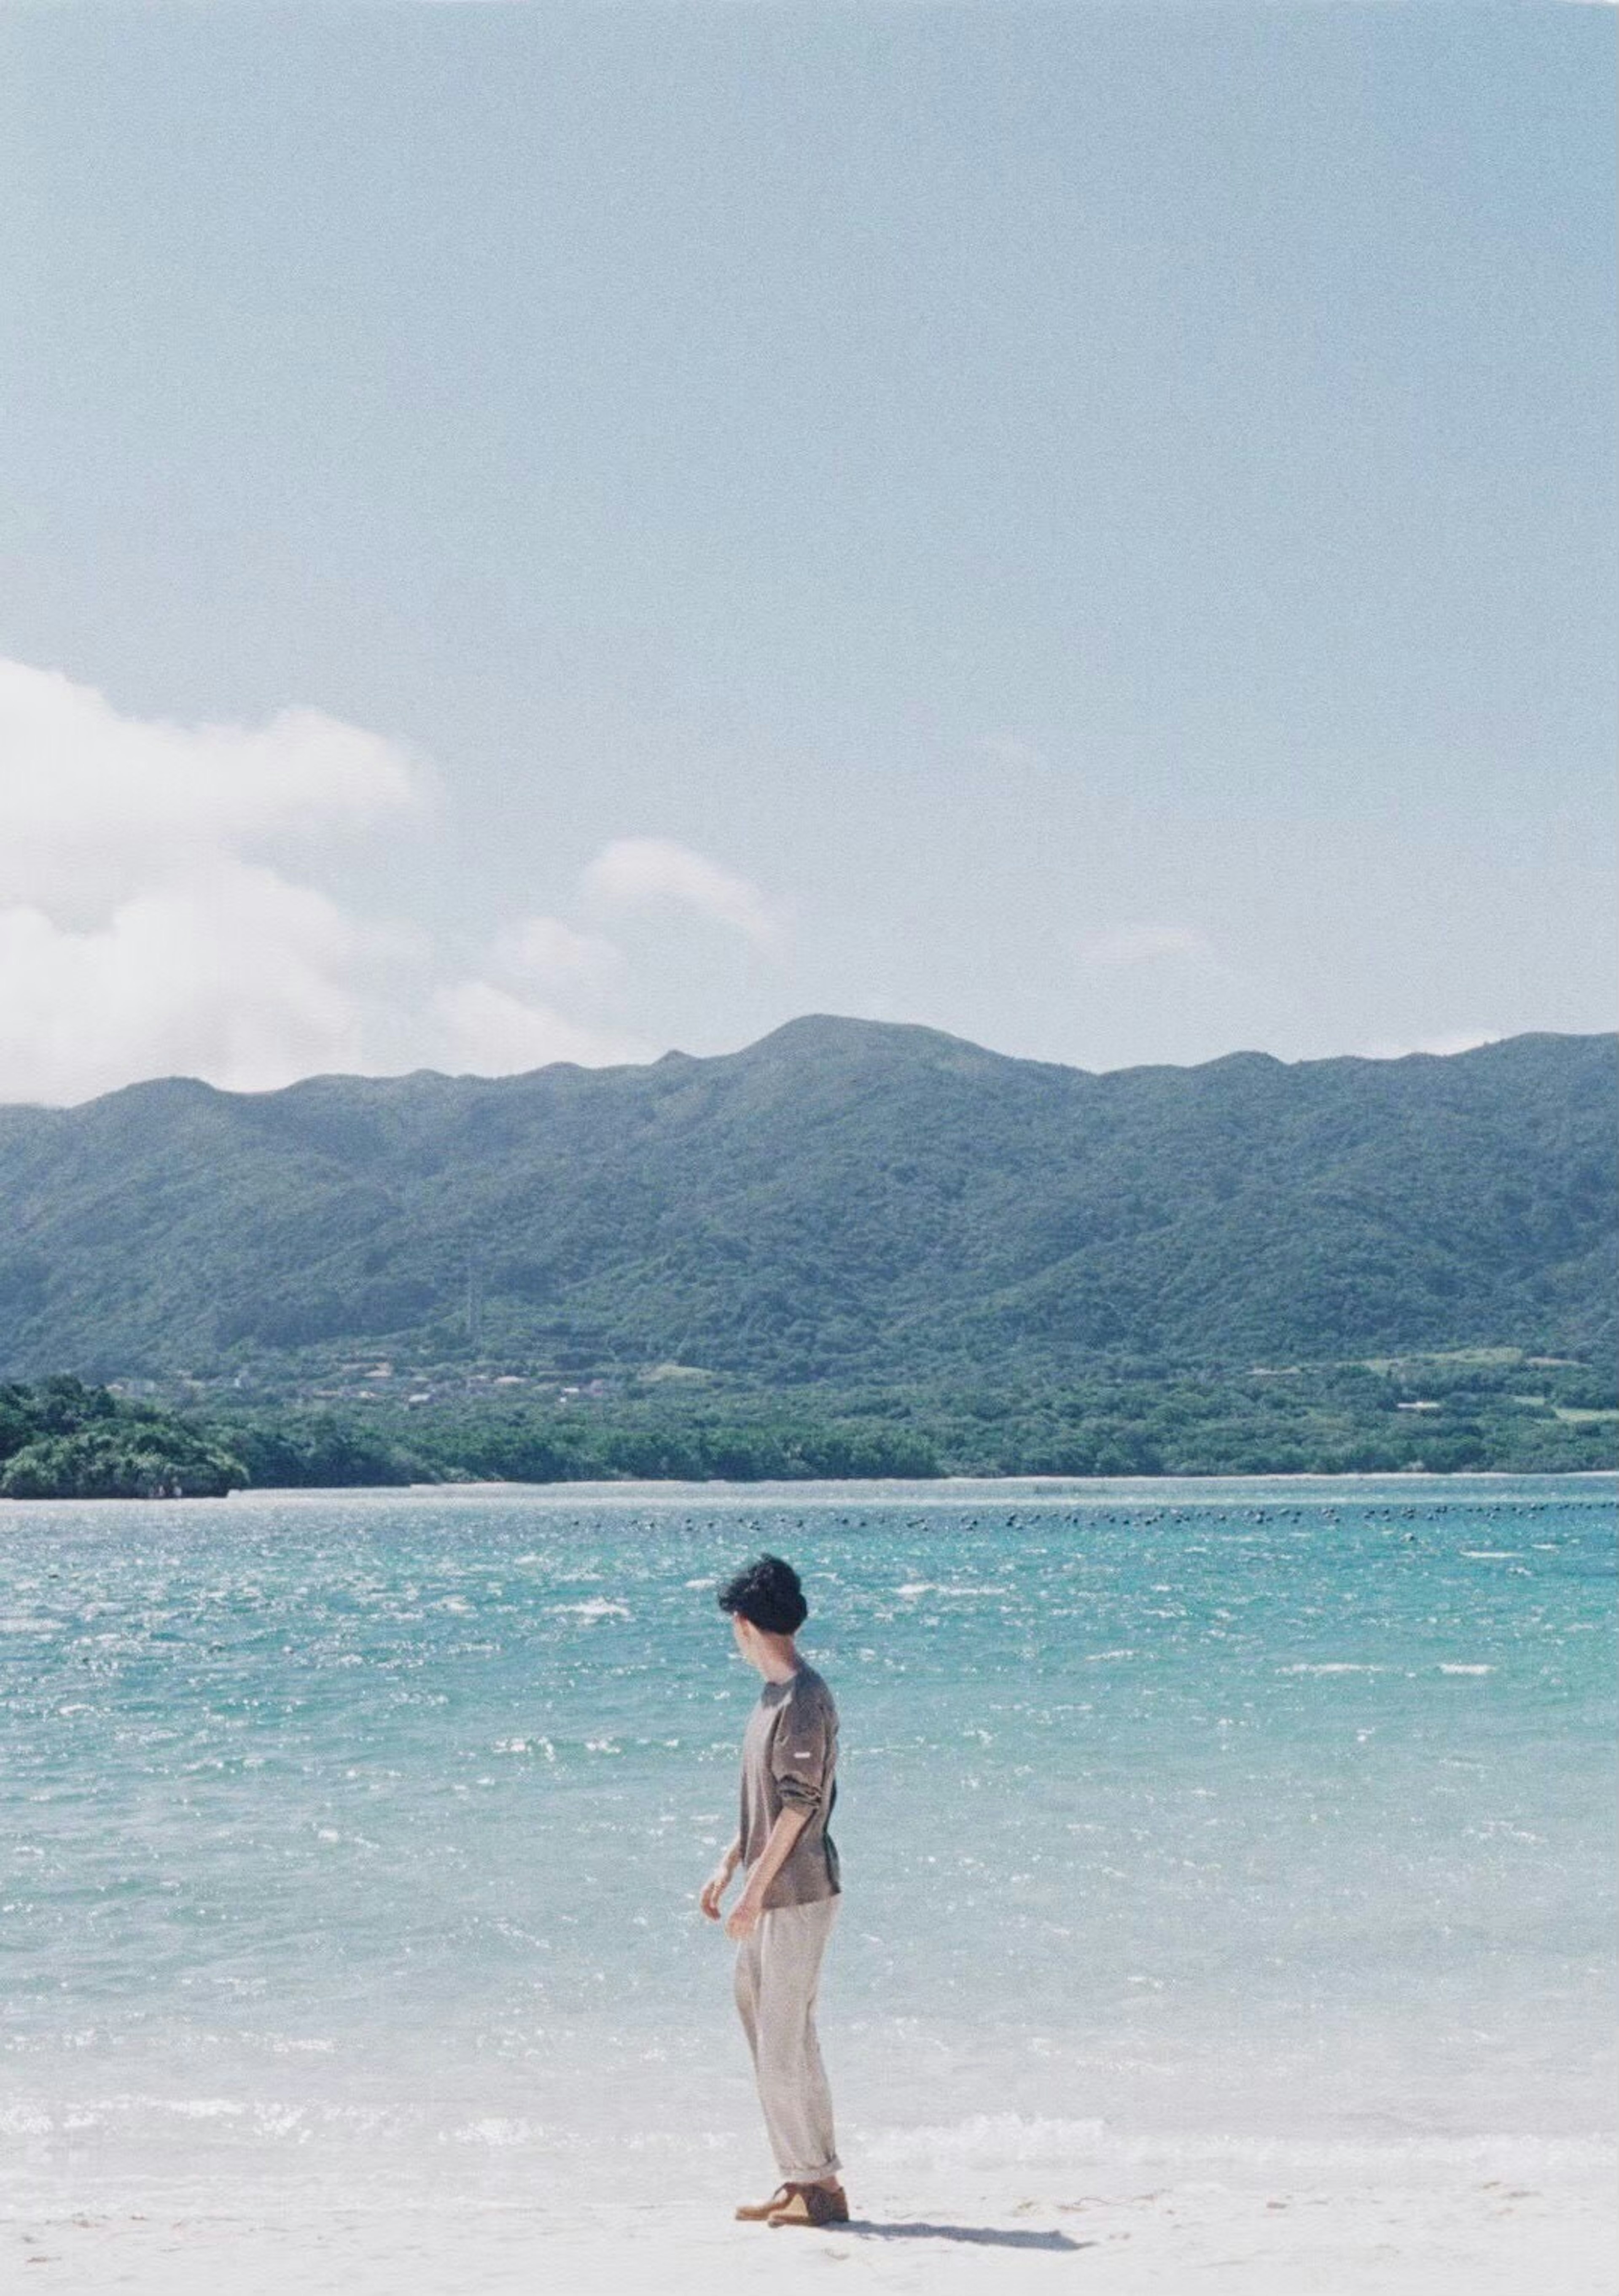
(812,2204)
(761,2212)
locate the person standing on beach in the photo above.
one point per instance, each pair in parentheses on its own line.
(790,1892)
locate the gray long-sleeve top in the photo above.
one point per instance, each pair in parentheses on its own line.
(789,1757)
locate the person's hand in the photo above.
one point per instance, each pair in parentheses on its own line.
(713,1889)
(744,1916)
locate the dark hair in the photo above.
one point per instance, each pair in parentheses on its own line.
(768,1594)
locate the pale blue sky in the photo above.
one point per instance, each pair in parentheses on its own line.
(1091,525)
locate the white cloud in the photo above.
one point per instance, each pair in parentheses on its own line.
(92,802)
(547,950)
(639,872)
(486,1030)
(1129,945)
(245,981)
(155,916)
(141,932)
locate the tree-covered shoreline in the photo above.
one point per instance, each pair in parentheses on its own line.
(60,1439)
(1470,1412)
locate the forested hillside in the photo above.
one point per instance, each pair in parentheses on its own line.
(844,1200)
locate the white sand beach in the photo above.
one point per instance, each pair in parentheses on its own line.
(1146,2230)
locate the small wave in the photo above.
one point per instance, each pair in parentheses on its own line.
(1488,1554)
(273,2117)
(1331,1666)
(499,2133)
(931,1586)
(987,2136)
(597,1607)
(24,2121)
(1006,2138)
(1448,1666)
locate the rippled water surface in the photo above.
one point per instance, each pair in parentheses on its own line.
(359,1833)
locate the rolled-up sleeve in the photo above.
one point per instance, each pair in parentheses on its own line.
(798,1755)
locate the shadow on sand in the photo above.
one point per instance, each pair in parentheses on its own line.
(974,2235)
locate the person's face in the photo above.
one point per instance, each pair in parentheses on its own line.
(741,1634)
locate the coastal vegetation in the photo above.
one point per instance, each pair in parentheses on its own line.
(62,1440)
(1484,1410)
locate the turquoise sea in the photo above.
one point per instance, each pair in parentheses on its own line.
(351,1840)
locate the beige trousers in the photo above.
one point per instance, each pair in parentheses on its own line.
(778,1974)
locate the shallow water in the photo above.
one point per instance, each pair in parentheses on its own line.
(355,1838)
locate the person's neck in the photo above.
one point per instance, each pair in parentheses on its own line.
(778,1660)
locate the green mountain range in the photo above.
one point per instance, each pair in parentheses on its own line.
(842,1202)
